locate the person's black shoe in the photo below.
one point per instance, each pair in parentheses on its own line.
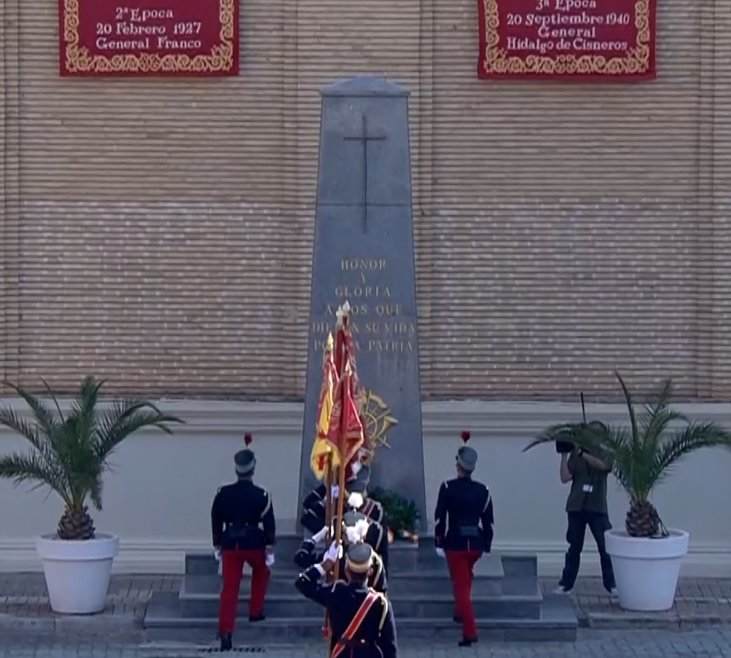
(456,619)
(467,642)
(226,642)
(253,620)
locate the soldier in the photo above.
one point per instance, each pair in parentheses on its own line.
(313,506)
(356,529)
(358,497)
(243,524)
(464,520)
(361,619)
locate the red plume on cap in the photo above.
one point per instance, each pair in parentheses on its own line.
(466,436)
(248,438)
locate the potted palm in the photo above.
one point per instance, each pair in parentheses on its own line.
(70,453)
(646,555)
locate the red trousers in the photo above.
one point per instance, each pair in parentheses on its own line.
(233,565)
(461,564)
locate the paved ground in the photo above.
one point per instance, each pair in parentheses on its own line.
(699,603)
(710,643)
(699,625)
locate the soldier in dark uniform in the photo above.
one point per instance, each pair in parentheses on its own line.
(243,525)
(373,509)
(464,520)
(314,505)
(308,554)
(359,474)
(361,619)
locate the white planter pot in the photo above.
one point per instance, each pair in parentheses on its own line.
(646,570)
(77,572)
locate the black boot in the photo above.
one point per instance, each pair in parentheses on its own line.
(467,642)
(226,642)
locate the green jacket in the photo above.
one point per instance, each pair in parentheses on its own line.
(588,487)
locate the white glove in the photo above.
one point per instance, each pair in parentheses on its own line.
(355,500)
(356,534)
(440,553)
(217,555)
(319,537)
(356,467)
(335,491)
(334,553)
(270,560)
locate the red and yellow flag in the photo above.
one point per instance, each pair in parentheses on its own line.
(345,434)
(321,448)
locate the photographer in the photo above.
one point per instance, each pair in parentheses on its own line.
(586,506)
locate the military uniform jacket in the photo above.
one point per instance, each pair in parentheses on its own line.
(308,555)
(376,637)
(464,516)
(314,512)
(242,516)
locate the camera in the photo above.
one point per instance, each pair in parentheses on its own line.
(563,447)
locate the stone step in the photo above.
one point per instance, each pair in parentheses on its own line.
(164,623)
(199,597)
(282,582)
(403,559)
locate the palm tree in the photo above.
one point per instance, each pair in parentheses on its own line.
(643,454)
(71,451)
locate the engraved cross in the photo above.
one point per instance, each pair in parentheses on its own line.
(364,137)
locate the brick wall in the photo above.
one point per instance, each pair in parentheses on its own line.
(158,231)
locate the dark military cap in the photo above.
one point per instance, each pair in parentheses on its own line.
(351,518)
(360,558)
(245,462)
(467,458)
(359,484)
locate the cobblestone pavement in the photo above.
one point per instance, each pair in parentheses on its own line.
(699,602)
(699,625)
(709,643)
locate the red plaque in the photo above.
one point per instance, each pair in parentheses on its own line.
(149,37)
(567,39)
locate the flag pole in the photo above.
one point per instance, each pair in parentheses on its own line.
(328,524)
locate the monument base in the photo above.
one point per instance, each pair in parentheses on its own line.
(508,601)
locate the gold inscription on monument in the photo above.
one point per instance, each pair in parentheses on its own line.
(377,324)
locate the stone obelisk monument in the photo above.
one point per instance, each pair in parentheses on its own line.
(364,253)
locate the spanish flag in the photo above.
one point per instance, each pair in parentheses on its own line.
(322,448)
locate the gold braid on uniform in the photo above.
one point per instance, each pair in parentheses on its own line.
(378,567)
(380,536)
(384,614)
